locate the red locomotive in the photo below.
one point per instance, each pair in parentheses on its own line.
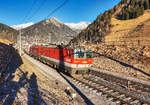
(72,60)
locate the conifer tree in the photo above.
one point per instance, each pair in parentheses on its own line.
(133,3)
(149,4)
(142,10)
(124,1)
(146,4)
(126,15)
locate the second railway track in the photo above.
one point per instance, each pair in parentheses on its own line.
(137,86)
(118,95)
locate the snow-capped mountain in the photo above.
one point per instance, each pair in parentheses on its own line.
(49,30)
(74,26)
(22,26)
(78,26)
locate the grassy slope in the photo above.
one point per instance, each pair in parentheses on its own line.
(127,30)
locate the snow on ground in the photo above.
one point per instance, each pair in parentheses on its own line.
(78,26)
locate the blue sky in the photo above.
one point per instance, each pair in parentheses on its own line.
(12,12)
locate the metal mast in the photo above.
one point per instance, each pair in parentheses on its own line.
(20,41)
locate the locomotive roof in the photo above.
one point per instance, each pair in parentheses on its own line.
(79,48)
(76,48)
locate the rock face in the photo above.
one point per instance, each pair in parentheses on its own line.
(8,33)
(48,31)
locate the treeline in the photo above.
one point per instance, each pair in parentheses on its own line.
(134,8)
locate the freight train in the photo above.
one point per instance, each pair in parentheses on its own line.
(74,61)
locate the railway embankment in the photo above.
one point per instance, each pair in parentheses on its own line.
(113,66)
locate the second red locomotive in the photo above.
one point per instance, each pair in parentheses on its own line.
(72,60)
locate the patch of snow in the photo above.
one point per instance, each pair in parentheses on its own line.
(78,26)
(22,26)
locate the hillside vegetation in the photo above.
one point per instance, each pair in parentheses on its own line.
(130,31)
(133,8)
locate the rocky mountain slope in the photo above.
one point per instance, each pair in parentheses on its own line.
(48,31)
(7,33)
(121,34)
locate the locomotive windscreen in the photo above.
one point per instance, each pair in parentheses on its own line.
(89,55)
(83,55)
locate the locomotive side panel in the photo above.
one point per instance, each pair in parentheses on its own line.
(63,59)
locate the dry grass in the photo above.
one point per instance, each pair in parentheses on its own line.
(123,29)
(5,41)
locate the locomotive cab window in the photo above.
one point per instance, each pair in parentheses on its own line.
(79,55)
(88,54)
(69,53)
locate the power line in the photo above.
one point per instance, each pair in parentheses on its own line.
(20,37)
(34,2)
(37,10)
(56,9)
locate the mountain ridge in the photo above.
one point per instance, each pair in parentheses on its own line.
(48,31)
(74,26)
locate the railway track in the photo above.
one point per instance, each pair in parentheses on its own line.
(113,93)
(140,87)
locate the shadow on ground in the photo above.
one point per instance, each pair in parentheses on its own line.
(34,97)
(10,88)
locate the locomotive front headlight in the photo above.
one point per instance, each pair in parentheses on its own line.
(84,61)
